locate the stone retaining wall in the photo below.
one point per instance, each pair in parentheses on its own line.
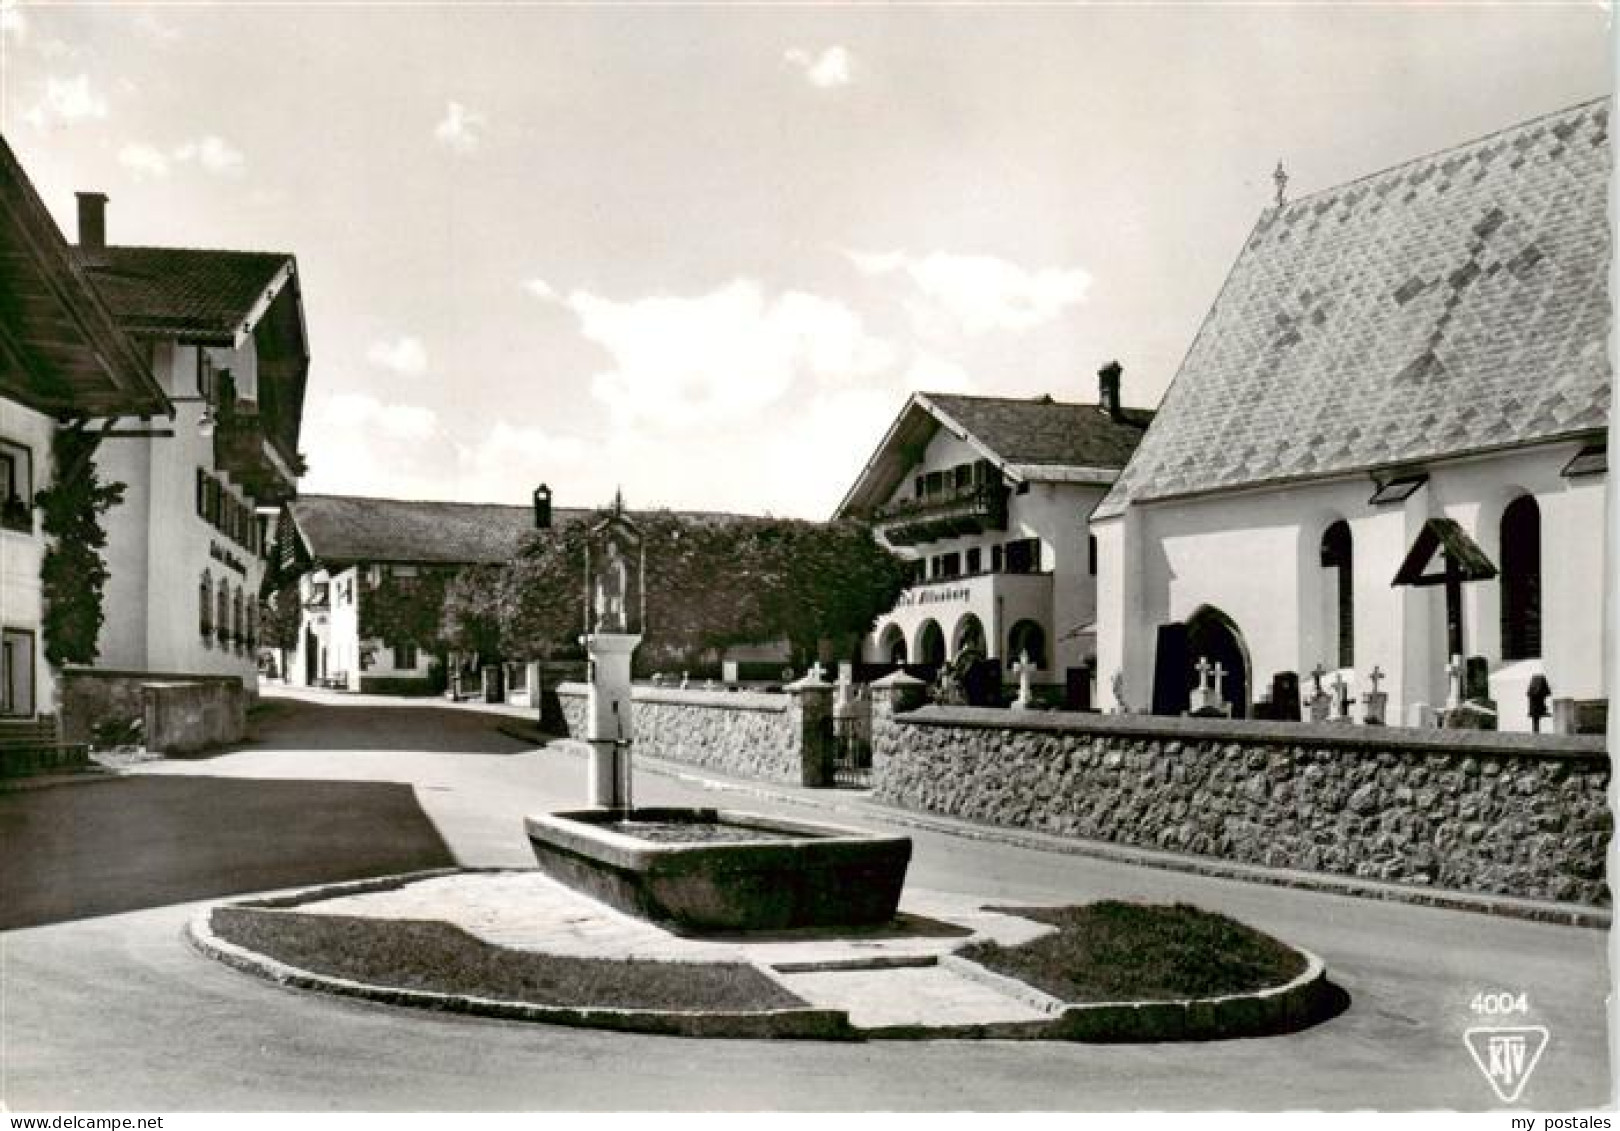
(1518,815)
(179,713)
(766,735)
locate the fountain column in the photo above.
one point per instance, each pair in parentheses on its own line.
(609,719)
(615,605)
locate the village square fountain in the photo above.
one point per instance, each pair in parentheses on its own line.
(692,869)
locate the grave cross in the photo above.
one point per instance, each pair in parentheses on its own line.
(1454,674)
(1341,695)
(1025,670)
(1203,673)
(1316,674)
(1376,676)
(816,672)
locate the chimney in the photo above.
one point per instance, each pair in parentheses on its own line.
(542,507)
(1108,389)
(93,227)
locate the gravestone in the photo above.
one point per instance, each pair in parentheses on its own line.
(1341,699)
(1375,702)
(1477,711)
(1172,664)
(1319,702)
(728,671)
(1077,688)
(1206,697)
(1537,695)
(1285,697)
(1262,706)
(1025,670)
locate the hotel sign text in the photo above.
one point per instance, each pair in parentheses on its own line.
(914,597)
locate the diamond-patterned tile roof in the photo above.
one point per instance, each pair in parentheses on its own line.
(166,290)
(1453,304)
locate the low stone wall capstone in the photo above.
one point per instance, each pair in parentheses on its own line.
(1505,814)
(744,733)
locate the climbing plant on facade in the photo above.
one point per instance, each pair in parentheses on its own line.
(73,574)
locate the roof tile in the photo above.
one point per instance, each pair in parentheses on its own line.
(159,290)
(1436,325)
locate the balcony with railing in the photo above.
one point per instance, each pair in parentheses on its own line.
(948,513)
(243,449)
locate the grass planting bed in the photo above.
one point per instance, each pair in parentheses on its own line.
(1114,951)
(440,958)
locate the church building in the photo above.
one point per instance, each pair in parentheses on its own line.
(1383,459)
(988,497)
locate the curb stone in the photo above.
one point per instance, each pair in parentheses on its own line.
(1277,1009)
(802,1024)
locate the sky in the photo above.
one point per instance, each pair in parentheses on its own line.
(704,253)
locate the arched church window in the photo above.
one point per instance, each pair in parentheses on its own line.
(1338,561)
(1521,580)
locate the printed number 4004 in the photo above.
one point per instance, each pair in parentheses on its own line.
(1496,1004)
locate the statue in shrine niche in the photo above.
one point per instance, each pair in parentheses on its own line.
(612,589)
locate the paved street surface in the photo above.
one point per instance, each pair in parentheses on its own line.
(116,1012)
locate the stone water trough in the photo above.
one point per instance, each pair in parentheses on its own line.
(723,870)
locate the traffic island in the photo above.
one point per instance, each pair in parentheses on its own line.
(517,945)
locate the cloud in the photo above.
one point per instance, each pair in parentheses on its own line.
(540,289)
(212,153)
(360,445)
(66,101)
(511,457)
(350,414)
(685,361)
(144,160)
(832,67)
(13,23)
(157,31)
(980,292)
(929,373)
(462,129)
(405,356)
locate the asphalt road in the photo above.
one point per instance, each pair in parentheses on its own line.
(115,1012)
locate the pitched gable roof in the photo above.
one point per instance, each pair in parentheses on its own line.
(190,291)
(343,529)
(347,528)
(62,351)
(1454,304)
(1038,439)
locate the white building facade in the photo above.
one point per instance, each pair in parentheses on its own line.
(988,497)
(186,548)
(1421,351)
(64,363)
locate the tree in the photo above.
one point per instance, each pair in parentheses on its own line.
(709,583)
(281,615)
(74,573)
(471,611)
(405,610)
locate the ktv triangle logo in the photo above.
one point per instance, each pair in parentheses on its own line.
(1507,1056)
